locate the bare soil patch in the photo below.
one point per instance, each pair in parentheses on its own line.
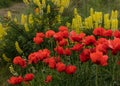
(15,9)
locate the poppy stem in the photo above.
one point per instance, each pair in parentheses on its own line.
(96,81)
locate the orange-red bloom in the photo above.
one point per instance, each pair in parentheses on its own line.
(60,67)
(67,52)
(116,34)
(77,47)
(63,42)
(98,58)
(58,36)
(52,63)
(15,80)
(48,79)
(40,34)
(89,40)
(107,33)
(33,58)
(28,77)
(38,40)
(63,28)
(76,37)
(19,61)
(59,50)
(49,33)
(114,45)
(70,69)
(99,31)
(85,55)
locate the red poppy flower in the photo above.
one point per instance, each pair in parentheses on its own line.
(107,33)
(65,34)
(38,40)
(67,52)
(52,63)
(99,31)
(48,79)
(116,34)
(118,62)
(59,50)
(77,47)
(76,37)
(102,48)
(49,33)
(70,69)
(29,77)
(45,53)
(85,55)
(63,28)
(19,61)
(33,58)
(60,67)
(40,34)
(58,36)
(98,58)
(58,59)
(114,45)
(15,80)
(63,42)
(89,40)
(102,41)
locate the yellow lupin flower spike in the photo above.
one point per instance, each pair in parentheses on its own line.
(6,58)
(9,14)
(19,50)
(26,2)
(15,20)
(61,9)
(2,31)
(30,19)
(48,8)
(75,11)
(26,27)
(23,19)
(12,70)
(44,3)
(91,11)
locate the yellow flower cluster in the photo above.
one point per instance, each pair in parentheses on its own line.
(19,50)
(26,2)
(61,4)
(6,58)
(11,68)
(2,31)
(96,19)
(76,21)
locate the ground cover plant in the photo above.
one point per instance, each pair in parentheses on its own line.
(45,47)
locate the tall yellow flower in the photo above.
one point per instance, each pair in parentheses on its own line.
(6,58)
(2,31)
(15,20)
(91,11)
(30,19)
(26,27)
(114,24)
(26,2)
(11,68)
(61,9)
(23,19)
(48,9)
(43,3)
(9,14)
(106,21)
(19,50)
